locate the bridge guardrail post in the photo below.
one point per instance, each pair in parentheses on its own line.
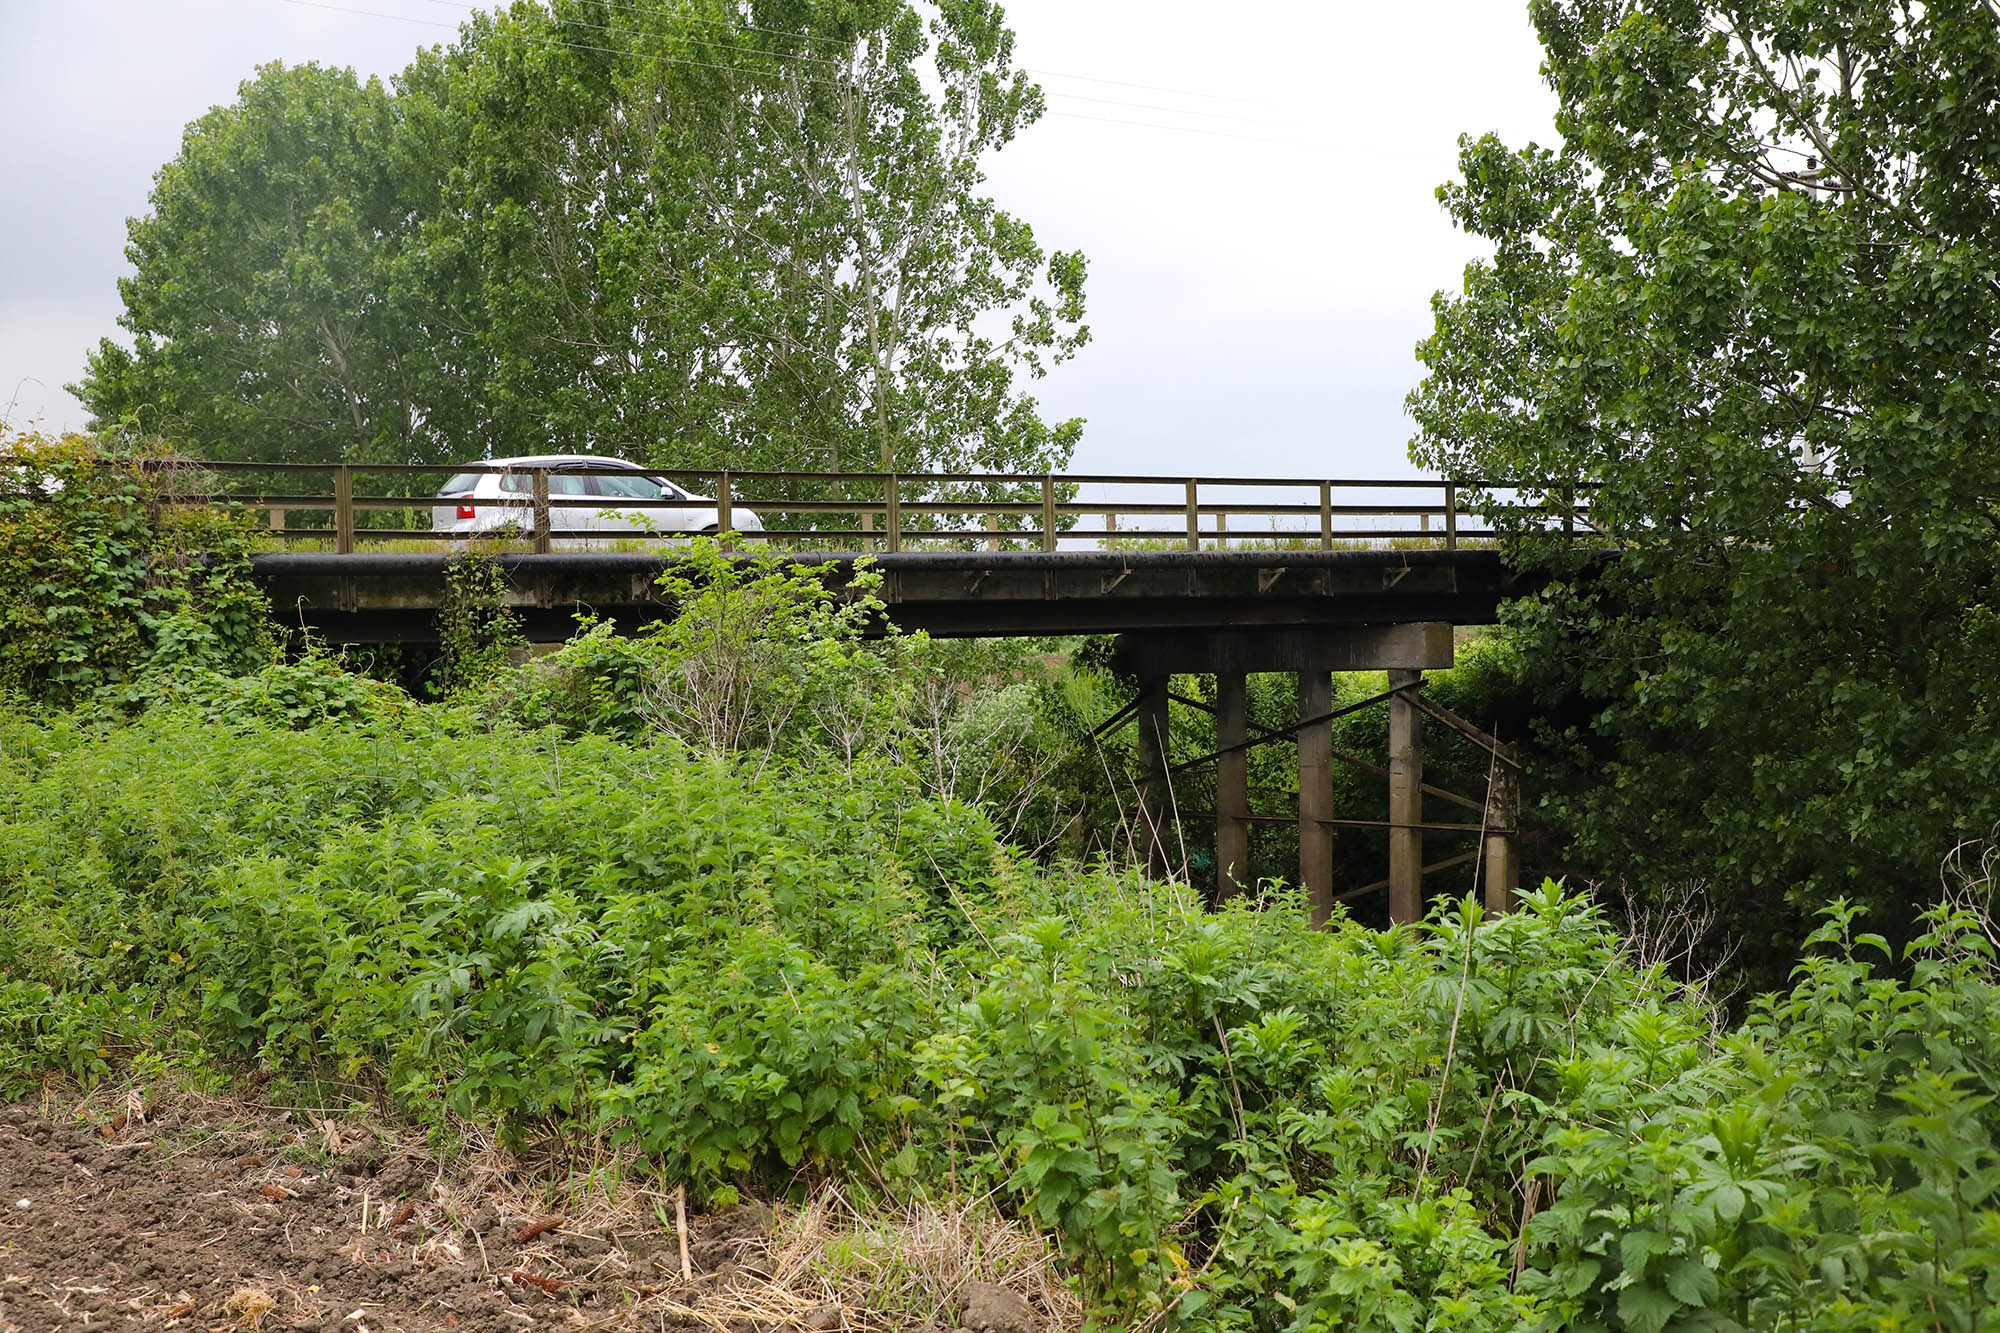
(1193,515)
(343,510)
(1326,516)
(892,514)
(1048,513)
(1450,516)
(540,494)
(725,513)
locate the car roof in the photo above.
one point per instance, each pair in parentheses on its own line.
(554,460)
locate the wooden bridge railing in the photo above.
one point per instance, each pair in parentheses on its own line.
(311,502)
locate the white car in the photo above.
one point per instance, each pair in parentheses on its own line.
(634,501)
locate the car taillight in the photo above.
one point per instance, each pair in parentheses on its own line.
(465,511)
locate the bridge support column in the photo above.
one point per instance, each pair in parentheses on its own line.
(1406,803)
(1232,785)
(1156,804)
(1503,812)
(1316,794)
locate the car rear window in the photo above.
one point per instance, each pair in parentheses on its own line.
(461,484)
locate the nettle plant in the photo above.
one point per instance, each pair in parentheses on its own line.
(1836,1166)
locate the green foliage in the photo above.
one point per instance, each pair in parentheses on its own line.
(264,323)
(1751,302)
(1835,1168)
(791,1062)
(312,689)
(477,631)
(714,891)
(596,682)
(706,237)
(760,656)
(765,657)
(762,652)
(752,970)
(103,579)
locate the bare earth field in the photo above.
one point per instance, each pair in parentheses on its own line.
(226,1216)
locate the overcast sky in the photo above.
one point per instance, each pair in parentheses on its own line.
(1263,242)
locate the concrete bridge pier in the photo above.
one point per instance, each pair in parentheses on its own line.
(1315,740)
(1406,799)
(1158,821)
(1405,651)
(1232,783)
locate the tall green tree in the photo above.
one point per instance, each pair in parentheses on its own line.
(258,304)
(708,235)
(759,235)
(1754,301)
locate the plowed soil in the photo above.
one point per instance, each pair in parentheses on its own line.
(239,1218)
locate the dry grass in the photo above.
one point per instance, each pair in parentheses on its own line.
(574,1218)
(914,1263)
(249,1305)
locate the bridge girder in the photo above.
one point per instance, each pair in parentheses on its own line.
(372,598)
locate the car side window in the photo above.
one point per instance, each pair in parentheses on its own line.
(633,487)
(568,483)
(518,483)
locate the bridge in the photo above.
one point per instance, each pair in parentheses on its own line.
(1219,596)
(1221,576)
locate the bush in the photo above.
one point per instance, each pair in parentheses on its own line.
(752,970)
(760,936)
(103,577)
(763,658)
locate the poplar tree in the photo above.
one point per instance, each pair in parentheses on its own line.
(702,235)
(262,319)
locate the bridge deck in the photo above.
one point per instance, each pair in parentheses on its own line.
(372,598)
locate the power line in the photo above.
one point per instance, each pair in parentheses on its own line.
(823,60)
(1180,129)
(1145,87)
(646,9)
(540,41)
(827,83)
(1154,106)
